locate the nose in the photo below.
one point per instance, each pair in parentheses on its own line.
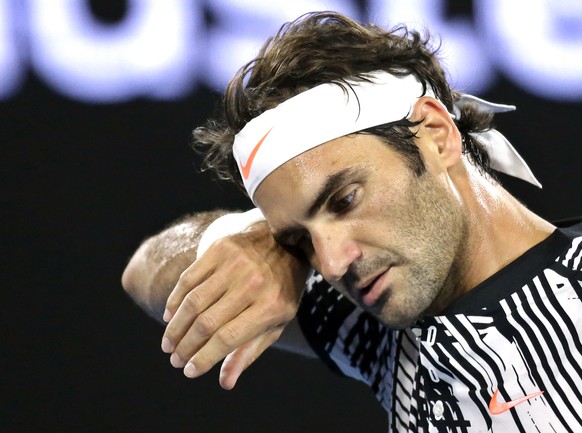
(334,252)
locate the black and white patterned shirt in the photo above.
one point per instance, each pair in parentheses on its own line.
(506,357)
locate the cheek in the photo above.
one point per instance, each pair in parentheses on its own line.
(408,217)
(435,222)
(389,212)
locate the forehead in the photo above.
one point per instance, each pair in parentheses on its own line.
(307,171)
(295,185)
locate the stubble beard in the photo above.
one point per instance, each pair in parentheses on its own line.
(438,227)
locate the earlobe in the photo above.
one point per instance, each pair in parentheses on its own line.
(437,130)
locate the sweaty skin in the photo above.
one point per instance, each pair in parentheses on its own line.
(397,244)
(385,237)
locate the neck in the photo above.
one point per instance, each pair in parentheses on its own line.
(500,229)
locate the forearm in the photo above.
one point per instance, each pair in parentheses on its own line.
(156,266)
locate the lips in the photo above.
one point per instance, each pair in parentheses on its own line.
(366,288)
(372,289)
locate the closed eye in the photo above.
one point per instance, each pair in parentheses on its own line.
(292,237)
(297,242)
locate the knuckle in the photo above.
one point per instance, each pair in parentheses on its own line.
(237,263)
(205,325)
(228,336)
(242,260)
(279,311)
(257,279)
(193,301)
(184,277)
(182,283)
(225,244)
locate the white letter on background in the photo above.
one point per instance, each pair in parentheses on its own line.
(151,52)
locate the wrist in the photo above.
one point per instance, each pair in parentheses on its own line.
(227,225)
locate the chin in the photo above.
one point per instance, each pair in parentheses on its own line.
(394,319)
(396,316)
(398,322)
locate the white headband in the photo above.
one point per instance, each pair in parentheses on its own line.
(328,111)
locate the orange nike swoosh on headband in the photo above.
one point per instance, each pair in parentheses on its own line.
(496,407)
(245,169)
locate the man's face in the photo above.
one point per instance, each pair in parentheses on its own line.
(387,239)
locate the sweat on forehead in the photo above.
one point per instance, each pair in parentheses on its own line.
(317,116)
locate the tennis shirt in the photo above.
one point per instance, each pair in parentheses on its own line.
(505,357)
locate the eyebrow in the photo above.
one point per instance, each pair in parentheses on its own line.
(332,183)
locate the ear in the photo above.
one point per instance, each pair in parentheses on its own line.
(437,133)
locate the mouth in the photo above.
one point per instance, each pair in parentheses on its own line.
(365,288)
(372,289)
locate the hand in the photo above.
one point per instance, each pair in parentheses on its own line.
(233,302)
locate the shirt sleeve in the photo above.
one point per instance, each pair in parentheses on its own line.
(349,340)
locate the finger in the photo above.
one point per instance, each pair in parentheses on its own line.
(194,303)
(206,324)
(249,324)
(224,257)
(193,276)
(238,361)
(240,278)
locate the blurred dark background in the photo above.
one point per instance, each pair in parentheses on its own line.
(85,181)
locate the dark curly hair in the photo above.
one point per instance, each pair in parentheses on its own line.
(322,47)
